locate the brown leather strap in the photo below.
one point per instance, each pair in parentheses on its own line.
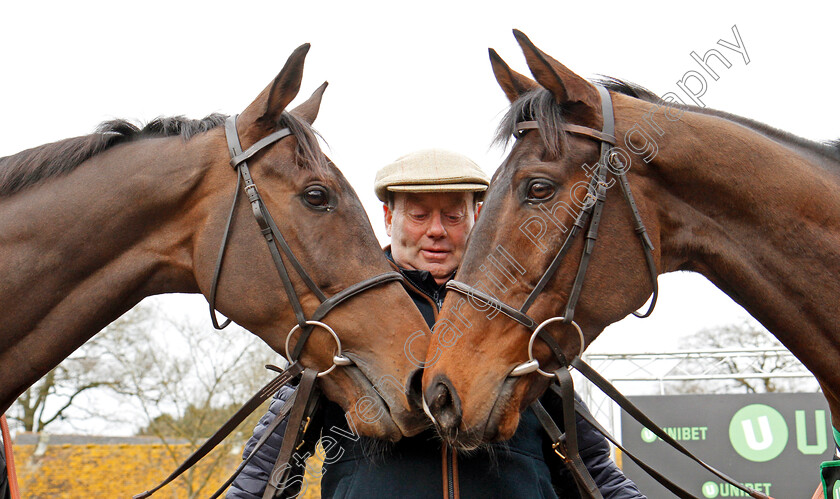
(240,156)
(334,300)
(567,392)
(607,387)
(277,480)
(269,430)
(571,458)
(665,482)
(588,246)
(277,245)
(261,396)
(310,283)
(591,214)
(268,228)
(355,289)
(568,127)
(647,244)
(217,270)
(580,223)
(483,297)
(597,190)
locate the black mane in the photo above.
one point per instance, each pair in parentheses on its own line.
(32,166)
(534,105)
(539,105)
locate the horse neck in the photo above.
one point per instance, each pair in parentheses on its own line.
(759,216)
(78,250)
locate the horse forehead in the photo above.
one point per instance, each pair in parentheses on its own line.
(335,174)
(529,149)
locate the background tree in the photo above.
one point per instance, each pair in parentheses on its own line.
(184,381)
(56,397)
(149,374)
(747,335)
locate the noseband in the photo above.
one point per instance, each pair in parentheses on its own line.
(591,212)
(565,444)
(276,244)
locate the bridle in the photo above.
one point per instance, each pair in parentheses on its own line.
(276,244)
(302,405)
(609,161)
(565,443)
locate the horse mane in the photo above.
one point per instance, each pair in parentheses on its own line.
(32,166)
(539,105)
(534,105)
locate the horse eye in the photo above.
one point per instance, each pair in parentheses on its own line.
(540,190)
(317,197)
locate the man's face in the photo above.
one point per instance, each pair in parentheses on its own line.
(429,230)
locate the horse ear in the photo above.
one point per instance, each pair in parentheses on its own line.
(513,83)
(308,111)
(566,86)
(271,102)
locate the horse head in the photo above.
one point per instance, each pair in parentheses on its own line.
(327,231)
(481,381)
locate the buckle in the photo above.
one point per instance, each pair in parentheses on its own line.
(554,447)
(251,191)
(303,432)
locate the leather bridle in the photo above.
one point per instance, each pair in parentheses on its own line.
(609,161)
(276,244)
(301,406)
(565,443)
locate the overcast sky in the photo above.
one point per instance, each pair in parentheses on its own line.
(405,76)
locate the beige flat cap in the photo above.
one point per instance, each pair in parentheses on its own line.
(430,170)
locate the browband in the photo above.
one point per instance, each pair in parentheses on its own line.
(570,128)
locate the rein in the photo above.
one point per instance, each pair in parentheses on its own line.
(565,444)
(301,406)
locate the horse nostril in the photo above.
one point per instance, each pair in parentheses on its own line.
(445,406)
(414,390)
(441,398)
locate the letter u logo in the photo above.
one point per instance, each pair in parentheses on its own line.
(766,439)
(758,433)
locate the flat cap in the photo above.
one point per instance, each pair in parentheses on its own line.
(430,170)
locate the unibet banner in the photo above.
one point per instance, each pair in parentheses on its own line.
(773,443)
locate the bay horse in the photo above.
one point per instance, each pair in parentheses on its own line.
(754,209)
(91,225)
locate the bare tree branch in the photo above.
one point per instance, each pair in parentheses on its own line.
(745,335)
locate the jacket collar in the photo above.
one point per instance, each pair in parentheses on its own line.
(422,279)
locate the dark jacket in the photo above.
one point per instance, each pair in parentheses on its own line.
(421,467)
(4,476)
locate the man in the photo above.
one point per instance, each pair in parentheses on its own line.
(430,203)
(4,476)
